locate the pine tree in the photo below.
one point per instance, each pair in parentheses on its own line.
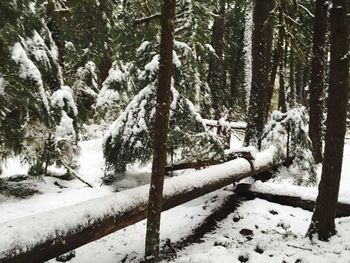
(318,83)
(216,77)
(322,222)
(261,59)
(162,113)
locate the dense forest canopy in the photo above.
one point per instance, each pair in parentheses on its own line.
(67,64)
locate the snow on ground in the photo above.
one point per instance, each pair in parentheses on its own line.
(127,245)
(276,234)
(52,197)
(277,237)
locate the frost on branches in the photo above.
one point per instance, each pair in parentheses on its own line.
(130,137)
(288,132)
(115,91)
(63,145)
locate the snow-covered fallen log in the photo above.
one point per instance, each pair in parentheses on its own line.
(294,196)
(223,123)
(40,237)
(247,154)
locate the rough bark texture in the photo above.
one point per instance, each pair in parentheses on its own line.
(216,77)
(104,66)
(291,94)
(260,66)
(237,67)
(299,81)
(277,57)
(282,106)
(317,85)
(323,218)
(160,130)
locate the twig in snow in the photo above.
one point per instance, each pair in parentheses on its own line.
(303,248)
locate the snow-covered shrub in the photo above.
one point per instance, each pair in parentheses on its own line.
(131,136)
(115,91)
(85,90)
(288,132)
(64,149)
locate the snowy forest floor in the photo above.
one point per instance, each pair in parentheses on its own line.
(256,231)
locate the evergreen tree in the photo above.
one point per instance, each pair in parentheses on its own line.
(322,222)
(217,76)
(261,59)
(318,81)
(161,123)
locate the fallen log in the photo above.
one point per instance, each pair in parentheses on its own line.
(244,190)
(221,123)
(44,236)
(209,162)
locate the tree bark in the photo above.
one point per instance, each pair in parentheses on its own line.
(299,81)
(292,93)
(325,210)
(161,124)
(282,106)
(318,84)
(216,76)
(277,57)
(260,66)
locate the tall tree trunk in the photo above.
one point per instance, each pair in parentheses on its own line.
(161,124)
(299,81)
(235,69)
(104,66)
(323,218)
(282,91)
(291,95)
(216,77)
(260,66)
(277,57)
(317,85)
(306,80)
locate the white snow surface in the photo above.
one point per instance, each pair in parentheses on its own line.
(62,97)
(65,129)
(143,46)
(280,236)
(23,233)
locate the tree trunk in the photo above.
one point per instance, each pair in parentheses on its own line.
(104,66)
(282,106)
(277,57)
(325,210)
(299,81)
(236,67)
(216,77)
(160,130)
(260,66)
(317,85)
(306,80)
(291,94)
